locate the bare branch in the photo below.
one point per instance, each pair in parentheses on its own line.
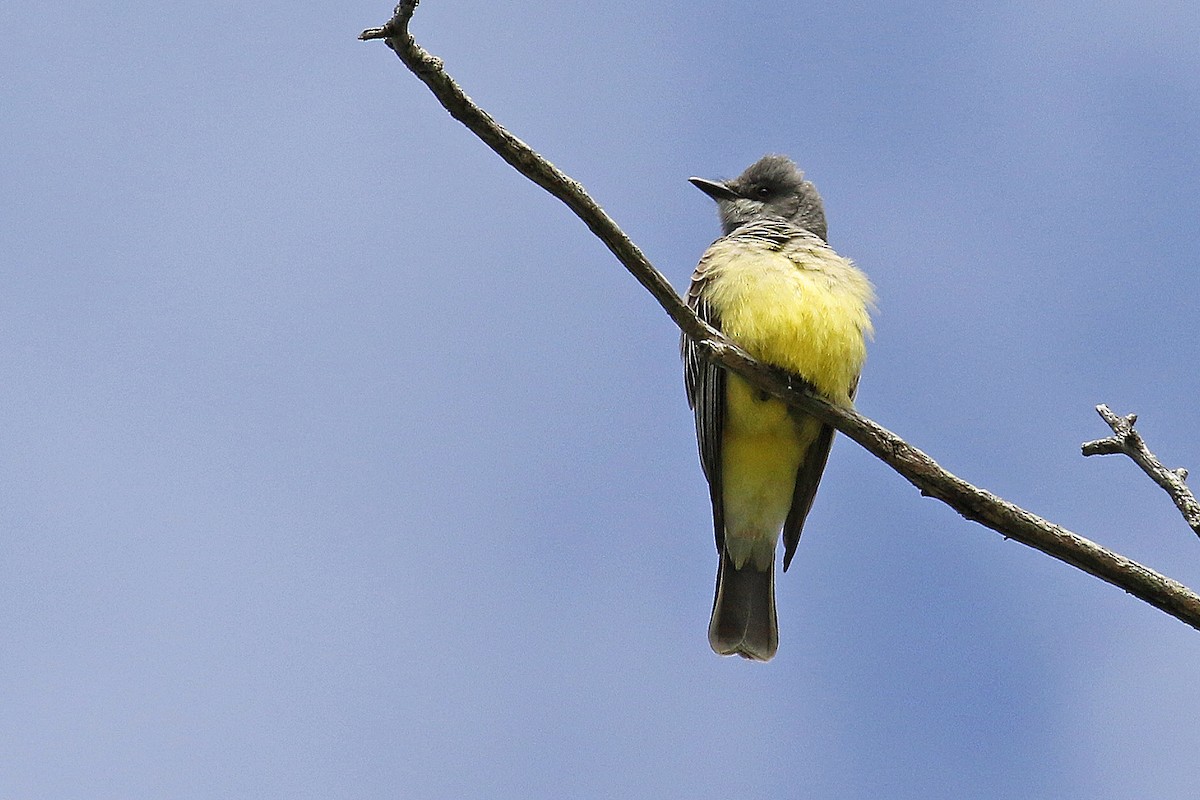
(919,469)
(1128,441)
(533,166)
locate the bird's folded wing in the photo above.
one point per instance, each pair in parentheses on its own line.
(705,384)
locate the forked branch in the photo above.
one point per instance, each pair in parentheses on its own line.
(918,468)
(1128,441)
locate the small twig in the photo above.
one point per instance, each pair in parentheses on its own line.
(1128,441)
(919,469)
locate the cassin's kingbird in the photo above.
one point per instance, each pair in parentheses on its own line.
(772,285)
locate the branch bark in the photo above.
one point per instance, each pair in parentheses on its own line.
(915,466)
(1128,441)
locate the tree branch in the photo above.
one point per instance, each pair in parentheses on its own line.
(919,469)
(1128,441)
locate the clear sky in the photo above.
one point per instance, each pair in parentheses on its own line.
(339,461)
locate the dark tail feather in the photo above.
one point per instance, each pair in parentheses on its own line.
(743,618)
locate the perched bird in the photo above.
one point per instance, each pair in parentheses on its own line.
(773,286)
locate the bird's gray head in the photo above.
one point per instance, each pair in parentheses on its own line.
(770,187)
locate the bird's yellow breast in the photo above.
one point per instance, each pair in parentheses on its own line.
(802,308)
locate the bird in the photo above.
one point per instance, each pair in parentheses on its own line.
(773,285)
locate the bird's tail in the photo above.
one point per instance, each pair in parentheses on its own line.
(743,617)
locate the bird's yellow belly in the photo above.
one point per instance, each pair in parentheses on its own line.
(808,321)
(762,447)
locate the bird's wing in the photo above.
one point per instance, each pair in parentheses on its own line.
(807,479)
(705,384)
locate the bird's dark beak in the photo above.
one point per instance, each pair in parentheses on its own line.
(714,189)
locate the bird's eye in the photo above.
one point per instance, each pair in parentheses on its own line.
(763,192)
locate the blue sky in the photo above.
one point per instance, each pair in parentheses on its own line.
(341,461)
